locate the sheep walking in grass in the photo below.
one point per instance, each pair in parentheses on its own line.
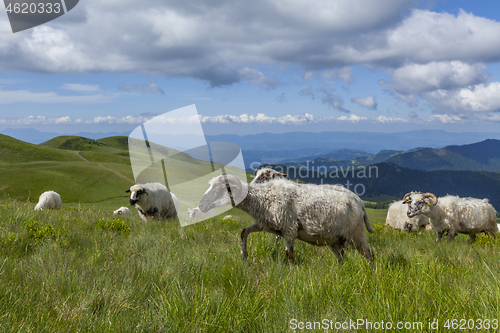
(49,200)
(397,218)
(453,214)
(309,213)
(153,199)
(267,174)
(122,211)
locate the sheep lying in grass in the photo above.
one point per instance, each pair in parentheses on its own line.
(49,200)
(195,213)
(397,218)
(452,214)
(153,199)
(122,211)
(284,208)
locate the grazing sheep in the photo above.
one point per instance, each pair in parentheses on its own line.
(49,200)
(397,218)
(153,199)
(282,207)
(122,211)
(266,174)
(452,214)
(195,213)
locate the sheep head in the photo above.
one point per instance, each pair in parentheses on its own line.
(136,193)
(420,203)
(222,191)
(267,174)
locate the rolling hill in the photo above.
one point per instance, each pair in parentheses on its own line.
(481,156)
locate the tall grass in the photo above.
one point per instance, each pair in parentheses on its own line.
(81,269)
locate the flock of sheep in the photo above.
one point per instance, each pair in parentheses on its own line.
(322,215)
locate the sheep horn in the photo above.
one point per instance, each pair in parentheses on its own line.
(428,194)
(406,195)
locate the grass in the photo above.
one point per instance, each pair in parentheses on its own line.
(80,269)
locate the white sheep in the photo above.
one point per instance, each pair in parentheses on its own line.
(153,199)
(397,218)
(309,213)
(122,211)
(452,214)
(49,200)
(266,174)
(195,213)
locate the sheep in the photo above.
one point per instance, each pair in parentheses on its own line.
(282,207)
(453,214)
(195,213)
(49,200)
(153,199)
(266,174)
(397,218)
(122,211)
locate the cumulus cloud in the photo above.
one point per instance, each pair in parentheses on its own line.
(367,102)
(80,87)
(223,42)
(144,89)
(484,97)
(420,78)
(326,96)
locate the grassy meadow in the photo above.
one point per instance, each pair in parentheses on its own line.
(81,270)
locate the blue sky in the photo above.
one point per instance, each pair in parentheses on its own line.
(265,66)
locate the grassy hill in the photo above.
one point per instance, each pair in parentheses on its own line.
(87,171)
(481,156)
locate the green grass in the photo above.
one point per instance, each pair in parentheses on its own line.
(80,269)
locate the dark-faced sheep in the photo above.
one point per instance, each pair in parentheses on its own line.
(153,199)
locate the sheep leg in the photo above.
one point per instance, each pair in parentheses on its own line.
(289,243)
(473,238)
(439,235)
(244,234)
(339,251)
(451,235)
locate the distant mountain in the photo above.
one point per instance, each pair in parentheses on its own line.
(371,142)
(395,181)
(481,156)
(31,135)
(339,155)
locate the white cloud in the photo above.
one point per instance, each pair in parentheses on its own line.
(144,89)
(367,102)
(80,87)
(484,97)
(419,78)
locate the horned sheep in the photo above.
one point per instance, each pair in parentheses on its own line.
(397,218)
(453,214)
(49,200)
(284,208)
(122,211)
(153,199)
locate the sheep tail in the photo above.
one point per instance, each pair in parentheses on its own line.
(367,222)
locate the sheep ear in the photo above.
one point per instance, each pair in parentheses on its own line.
(284,174)
(144,191)
(127,191)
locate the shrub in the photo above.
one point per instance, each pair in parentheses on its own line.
(115,225)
